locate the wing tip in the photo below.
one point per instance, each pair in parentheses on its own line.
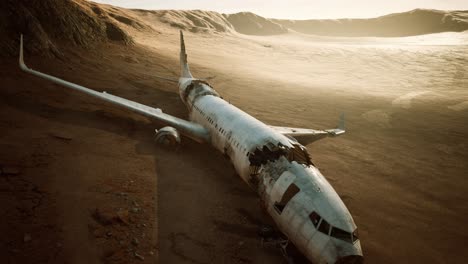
(21,55)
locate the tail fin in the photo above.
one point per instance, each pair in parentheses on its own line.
(184,67)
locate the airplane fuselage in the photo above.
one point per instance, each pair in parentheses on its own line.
(299,199)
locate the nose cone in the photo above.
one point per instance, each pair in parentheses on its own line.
(339,252)
(352,259)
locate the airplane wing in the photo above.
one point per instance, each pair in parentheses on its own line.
(306,136)
(187,128)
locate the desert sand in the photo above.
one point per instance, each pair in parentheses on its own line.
(83,182)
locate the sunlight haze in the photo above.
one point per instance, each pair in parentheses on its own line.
(298,9)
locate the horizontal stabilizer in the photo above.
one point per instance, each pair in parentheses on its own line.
(306,136)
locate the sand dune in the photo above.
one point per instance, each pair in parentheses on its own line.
(416,22)
(460,106)
(400,168)
(88,23)
(192,20)
(252,24)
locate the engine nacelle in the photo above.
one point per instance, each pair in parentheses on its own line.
(167,136)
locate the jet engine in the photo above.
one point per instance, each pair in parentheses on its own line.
(167,136)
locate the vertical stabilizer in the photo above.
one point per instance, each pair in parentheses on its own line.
(184,67)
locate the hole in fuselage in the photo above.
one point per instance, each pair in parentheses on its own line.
(287,196)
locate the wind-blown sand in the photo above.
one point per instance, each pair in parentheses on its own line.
(400,168)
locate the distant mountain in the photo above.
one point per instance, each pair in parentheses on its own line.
(415,22)
(83,23)
(252,24)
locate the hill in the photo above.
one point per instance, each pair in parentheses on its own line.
(415,22)
(78,23)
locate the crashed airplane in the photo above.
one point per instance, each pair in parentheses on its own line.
(271,160)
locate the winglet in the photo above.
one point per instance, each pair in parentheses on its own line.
(21,56)
(184,67)
(340,128)
(341,122)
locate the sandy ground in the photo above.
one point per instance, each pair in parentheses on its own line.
(85,179)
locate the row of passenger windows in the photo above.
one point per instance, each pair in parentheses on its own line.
(224,132)
(208,118)
(319,223)
(234,142)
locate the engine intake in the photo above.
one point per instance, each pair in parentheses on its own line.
(167,136)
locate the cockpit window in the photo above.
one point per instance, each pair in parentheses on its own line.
(341,234)
(315,218)
(324,227)
(355,235)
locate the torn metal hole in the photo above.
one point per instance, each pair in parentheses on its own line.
(271,152)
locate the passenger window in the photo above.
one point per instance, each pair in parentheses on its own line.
(324,227)
(287,196)
(315,218)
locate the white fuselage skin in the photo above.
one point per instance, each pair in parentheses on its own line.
(253,149)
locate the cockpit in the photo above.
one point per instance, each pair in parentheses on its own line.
(323,226)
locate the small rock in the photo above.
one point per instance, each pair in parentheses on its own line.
(138,256)
(15,251)
(102,217)
(109,234)
(130,59)
(27,238)
(135,203)
(60,137)
(123,217)
(135,241)
(98,233)
(135,209)
(151,253)
(144,225)
(10,171)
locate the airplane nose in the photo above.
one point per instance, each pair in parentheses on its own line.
(352,259)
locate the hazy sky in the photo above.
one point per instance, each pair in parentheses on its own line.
(297,9)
